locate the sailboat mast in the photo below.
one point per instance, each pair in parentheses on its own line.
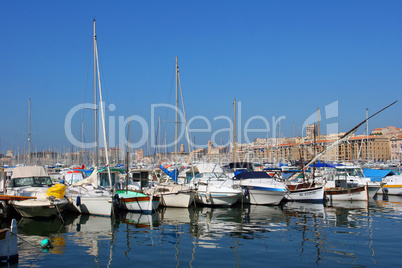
(368,154)
(175,145)
(95,99)
(29,131)
(234,131)
(102,115)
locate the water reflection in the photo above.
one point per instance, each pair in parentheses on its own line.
(348,233)
(32,232)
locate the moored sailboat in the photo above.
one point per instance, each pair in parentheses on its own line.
(88,196)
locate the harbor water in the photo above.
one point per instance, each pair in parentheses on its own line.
(343,234)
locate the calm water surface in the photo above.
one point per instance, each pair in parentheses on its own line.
(349,234)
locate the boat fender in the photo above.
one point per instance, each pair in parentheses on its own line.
(78,202)
(117,198)
(245,191)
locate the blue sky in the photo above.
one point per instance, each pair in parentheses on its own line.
(278,58)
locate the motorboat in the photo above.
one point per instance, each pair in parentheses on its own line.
(216,189)
(42,199)
(259,188)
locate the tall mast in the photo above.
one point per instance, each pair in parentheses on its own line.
(368,154)
(103,117)
(234,131)
(175,144)
(95,99)
(29,131)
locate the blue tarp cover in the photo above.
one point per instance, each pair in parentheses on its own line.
(377,173)
(252,175)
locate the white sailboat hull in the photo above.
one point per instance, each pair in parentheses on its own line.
(218,198)
(173,195)
(182,200)
(92,205)
(89,200)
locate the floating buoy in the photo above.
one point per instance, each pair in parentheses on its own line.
(45,245)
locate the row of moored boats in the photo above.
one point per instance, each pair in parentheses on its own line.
(32,193)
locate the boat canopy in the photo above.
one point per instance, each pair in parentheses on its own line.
(208,167)
(377,173)
(92,179)
(252,175)
(29,171)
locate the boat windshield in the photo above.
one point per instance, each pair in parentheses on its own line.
(31,181)
(356,172)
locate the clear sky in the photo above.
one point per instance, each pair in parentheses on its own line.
(277,58)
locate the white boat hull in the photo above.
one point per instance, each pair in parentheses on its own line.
(314,194)
(262,191)
(262,197)
(393,185)
(92,205)
(89,200)
(391,190)
(9,243)
(179,199)
(33,208)
(351,194)
(173,195)
(218,198)
(144,204)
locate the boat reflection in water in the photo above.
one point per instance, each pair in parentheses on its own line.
(392,203)
(31,232)
(351,233)
(137,219)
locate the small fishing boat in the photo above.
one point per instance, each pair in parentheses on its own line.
(8,243)
(338,189)
(307,191)
(136,201)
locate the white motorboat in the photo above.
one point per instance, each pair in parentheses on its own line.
(261,189)
(393,185)
(350,181)
(173,195)
(216,189)
(42,200)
